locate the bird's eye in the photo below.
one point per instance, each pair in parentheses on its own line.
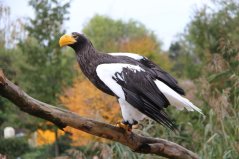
(74,36)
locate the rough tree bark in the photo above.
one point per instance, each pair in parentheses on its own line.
(63,118)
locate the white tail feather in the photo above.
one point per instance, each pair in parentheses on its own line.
(175,99)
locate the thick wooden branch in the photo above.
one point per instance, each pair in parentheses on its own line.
(63,118)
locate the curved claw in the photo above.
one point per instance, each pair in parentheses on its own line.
(126,127)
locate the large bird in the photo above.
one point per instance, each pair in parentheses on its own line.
(141,87)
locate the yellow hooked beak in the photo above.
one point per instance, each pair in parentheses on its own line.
(66,40)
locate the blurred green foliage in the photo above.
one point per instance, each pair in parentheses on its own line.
(211,42)
(49,68)
(48,151)
(37,63)
(102,29)
(13,147)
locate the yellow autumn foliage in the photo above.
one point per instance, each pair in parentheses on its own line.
(45,137)
(86,100)
(148,47)
(144,45)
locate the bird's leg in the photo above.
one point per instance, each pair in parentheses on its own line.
(126,125)
(135,124)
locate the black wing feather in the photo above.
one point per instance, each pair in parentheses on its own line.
(162,75)
(142,93)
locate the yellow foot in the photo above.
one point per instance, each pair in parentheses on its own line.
(124,126)
(137,126)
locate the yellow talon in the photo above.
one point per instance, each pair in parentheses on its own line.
(137,126)
(124,126)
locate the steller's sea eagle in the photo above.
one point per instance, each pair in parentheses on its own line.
(141,87)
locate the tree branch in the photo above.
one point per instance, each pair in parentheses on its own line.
(63,118)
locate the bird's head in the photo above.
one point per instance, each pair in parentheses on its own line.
(74,40)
